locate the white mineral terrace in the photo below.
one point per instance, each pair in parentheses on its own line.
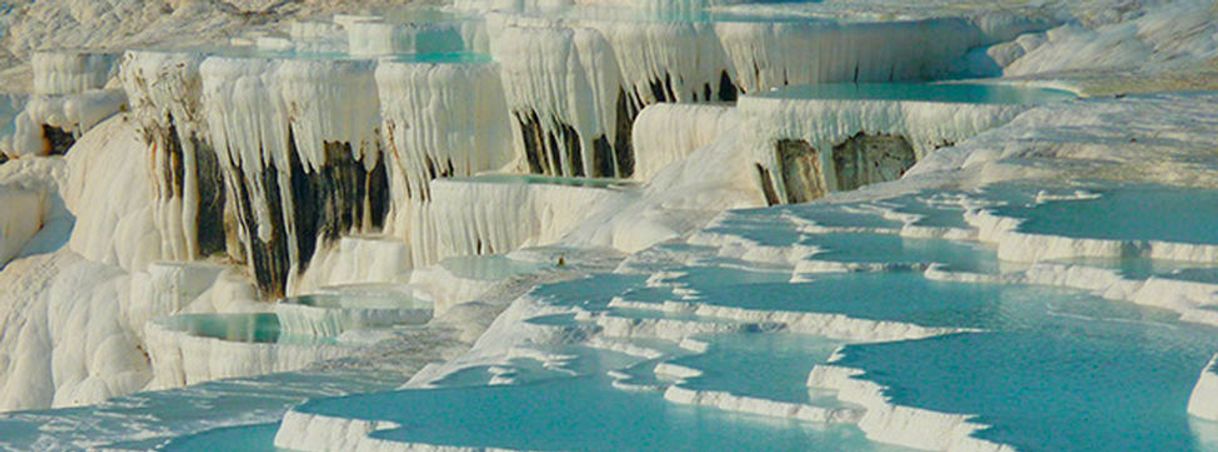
(825,121)
(609,225)
(60,73)
(330,314)
(180,355)
(1201,403)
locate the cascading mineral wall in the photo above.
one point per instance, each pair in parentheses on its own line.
(766,55)
(298,142)
(70,97)
(61,73)
(442,120)
(564,93)
(380,38)
(438,121)
(165,90)
(472,217)
(667,133)
(774,126)
(298,145)
(575,85)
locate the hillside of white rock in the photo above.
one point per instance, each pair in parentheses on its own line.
(322,213)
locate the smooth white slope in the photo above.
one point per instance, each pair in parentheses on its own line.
(1204,401)
(111,229)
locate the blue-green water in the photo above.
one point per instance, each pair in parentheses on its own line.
(934,208)
(171,418)
(954,93)
(769,366)
(489,268)
(461,57)
(841,216)
(248,438)
(581,413)
(879,248)
(1123,212)
(361,296)
(262,328)
(1061,385)
(1046,368)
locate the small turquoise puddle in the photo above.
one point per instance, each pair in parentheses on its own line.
(758,234)
(257,328)
(519,370)
(841,216)
(594,291)
(894,249)
(768,366)
(1130,212)
(262,328)
(940,214)
(489,268)
(954,93)
(461,57)
(354,300)
(706,276)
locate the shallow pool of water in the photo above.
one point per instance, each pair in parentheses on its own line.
(152,419)
(956,93)
(489,268)
(578,413)
(340,298)
(259,328)
(1070,384)
(768,366)
(1128,212)
(893,249)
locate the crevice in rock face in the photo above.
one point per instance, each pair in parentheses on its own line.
(172,172)
(623,148)
(802,177)
(378,195)
(554,154)
(575,151)
(869,159)
(57,140)
(661,90)
(530,130)
(728,92)
(561,152)
(268,258)
(211,199)
(336,199)
(657,91)
(209,220)
(602,156)
(767,185)
(340,197)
